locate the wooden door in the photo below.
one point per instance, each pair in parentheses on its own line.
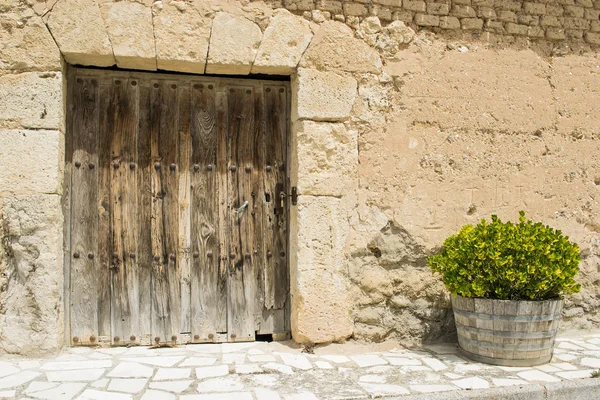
(177,194)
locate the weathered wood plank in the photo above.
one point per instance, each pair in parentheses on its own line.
(84,219)
(241,131)
(125,297)
(222,325)
(208,308)
(144,182)
(166,304)
(184,234)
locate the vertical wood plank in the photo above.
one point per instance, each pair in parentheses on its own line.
(222,325)
(208,305)
(184,234)
(276,285)
(144,252)
(106,262)
(125,297)
(241,132)
(166,291)
(84,219)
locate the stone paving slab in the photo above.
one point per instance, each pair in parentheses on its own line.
(281,371)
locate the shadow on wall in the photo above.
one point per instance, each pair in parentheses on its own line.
(396,296)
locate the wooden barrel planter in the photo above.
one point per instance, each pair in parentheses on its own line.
(507,332)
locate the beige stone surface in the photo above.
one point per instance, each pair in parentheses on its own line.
(182,36)
(284,41)
(505,90)
(234,43)
(30,161)
(31,282)
(335,48)
(575,79)
(322,96)
(327,158)
(319,290)
(31,100)
(131,33)
(79,29)
(27,46)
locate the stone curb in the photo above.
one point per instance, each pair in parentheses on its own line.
(584,389)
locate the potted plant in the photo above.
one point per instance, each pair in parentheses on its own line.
(507,282)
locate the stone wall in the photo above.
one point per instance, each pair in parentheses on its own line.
(399,137)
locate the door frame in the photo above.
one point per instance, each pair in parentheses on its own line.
(66,196)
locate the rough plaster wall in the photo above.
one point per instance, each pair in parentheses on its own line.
(400,139)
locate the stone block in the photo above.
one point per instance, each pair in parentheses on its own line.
(549,20)
(438,8)
(595,26)
(516,29)
(31,100)
(555,34)
(332,6)
(234,43)
(534,8)
(483,3)
(576,23)
(354,9)
(79,29)
(592,14)
(31,320)
(486,13)
(322,96)
(508,5)
(30,161)
(181,39)
(507,16)
(536,32)
(449,23)
(533,20)
(131,33)
(495,26)
(327,158)
(27,45)
(321,307)
(574,34)
(471,24)
(416,6)
(384,14)
(554,10)
(404,16)
(574,11)
(427,20)
(463,11)
(370,25)
(334,47)
(592,38)
(585,3)
(284,41)
(299,5)
(391,3)
(462,2)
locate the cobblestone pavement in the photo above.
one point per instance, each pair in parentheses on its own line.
(270,371)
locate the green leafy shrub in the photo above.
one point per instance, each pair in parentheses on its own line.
(507,261)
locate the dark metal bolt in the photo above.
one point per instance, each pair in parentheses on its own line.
(196,337)
(233,168)
(210,336)
(117,339)
(76,255)
(157,340)
(116,164)
(247,255)
(196,254)
(282,253)
(269,168)
(248,168)
(209,167)
(132,165)
(172,257)
(174,338)
(91,165)
(269,254)
(157,165)
(233,335)
(132,255)
(93,338)
(196,167)
(173,166)
(209,254)
(232,255)
(77,164)
(253,213)
(282,167)
(156,258)
(132,338)
(91,255)
(75,339)
(115,255)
